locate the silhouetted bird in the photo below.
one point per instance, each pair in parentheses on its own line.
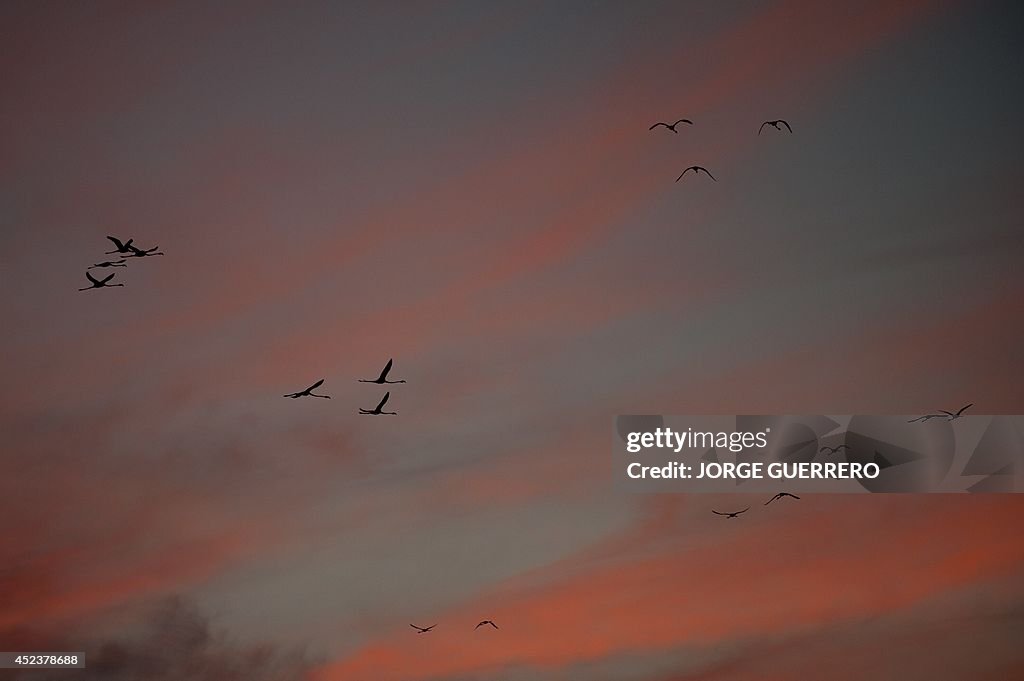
(121,247)
(422,630)
(774,124)
(779,496)
(485,622)
(377,410)
(732,515)
(952,416)
(107,263)
(696,170)
(383,378)
(926,417)
(99,283)
(673,126)
(139,253)
(833,450)
(308,392)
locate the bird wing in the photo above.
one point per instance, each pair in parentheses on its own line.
(962,410)
(683,120)
(117,242)
(656,125)
(709,174)
(762,127)
(717,513)
(787,125)
(92,278)
(107,278)
(383,401)
(493,625)
(387,368)
(315,385)
(416,628)
(743,511)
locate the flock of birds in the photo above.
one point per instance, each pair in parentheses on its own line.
(828,451)
(126,249)
(701,169)
(423,630)
(382,379)
(737,514)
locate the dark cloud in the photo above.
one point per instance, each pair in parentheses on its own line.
(174,642)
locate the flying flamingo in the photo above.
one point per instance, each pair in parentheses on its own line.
(383,378)
(99,283)
(377,410)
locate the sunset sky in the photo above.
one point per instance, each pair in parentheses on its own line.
(471,188)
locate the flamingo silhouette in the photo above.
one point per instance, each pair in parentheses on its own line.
(377,410)
(779,496)
(959,414)
(308,392)
(774,124)
(696,170)
(422,630)
(99,283)
(673,126)
(485,622)
(125,247)
(732,515)
(139,253)
(107,263)
(833,450)
(383,378)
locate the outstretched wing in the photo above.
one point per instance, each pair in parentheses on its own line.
(717,513)
(92,278)
(315,385)
(743,511)
(106,279)
(493,625)
(762,126)
(656,125)
(709,174)
(684,172)
(387,368)
(383,402)
(962,410)
(787,125)
(117,242)
(683,120)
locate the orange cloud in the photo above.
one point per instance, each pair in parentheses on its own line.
(821,563)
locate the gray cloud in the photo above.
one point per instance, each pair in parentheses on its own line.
(176,641)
